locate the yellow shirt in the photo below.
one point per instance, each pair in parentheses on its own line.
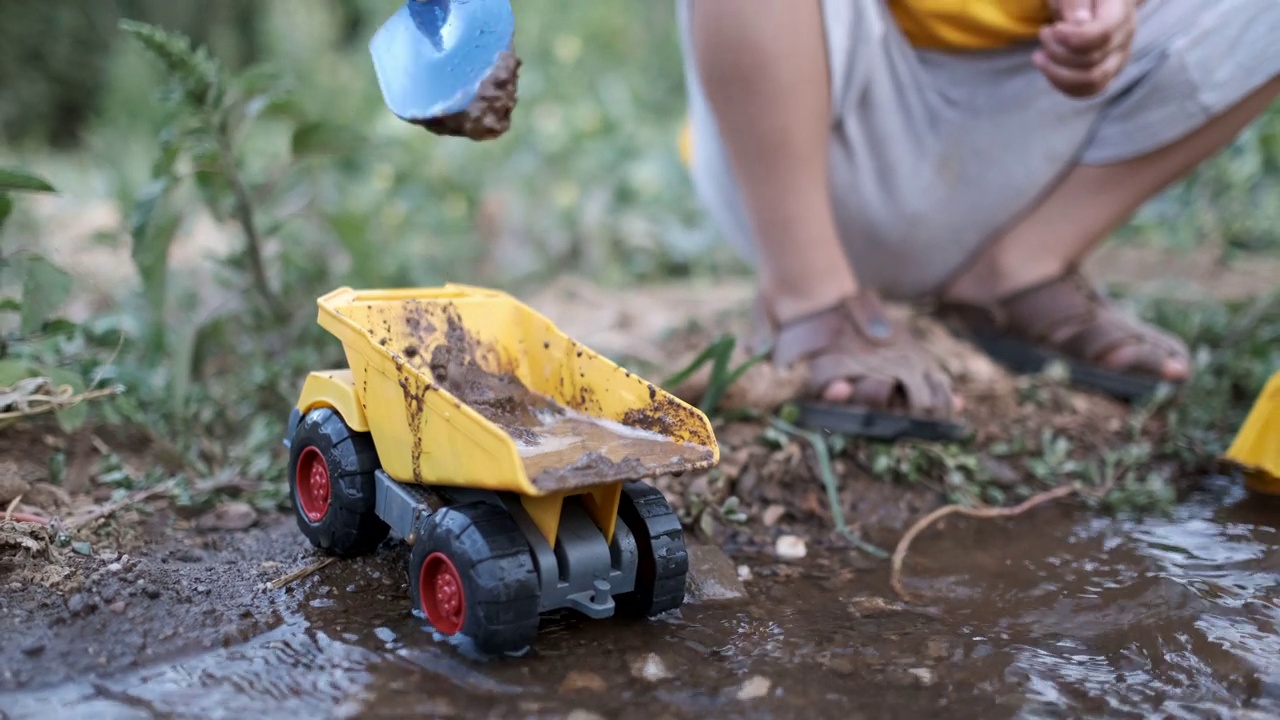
(970,24)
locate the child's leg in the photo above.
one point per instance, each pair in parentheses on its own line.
(1088,205)
(765,74)
(764,68)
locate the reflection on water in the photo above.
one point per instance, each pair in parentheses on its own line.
(1050,616)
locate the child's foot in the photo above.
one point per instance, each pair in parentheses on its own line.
(1067,319)
(865,376)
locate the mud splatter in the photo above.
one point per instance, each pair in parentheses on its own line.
(665,416)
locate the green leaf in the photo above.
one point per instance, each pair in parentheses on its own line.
(319,138)
(74,417)
(44,289)
(151,241)
(10,305)
(12,370)
(14,179)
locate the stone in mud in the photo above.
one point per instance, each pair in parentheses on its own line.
(229,516)
(47,497)
(579,680)
(712,576)
(651,668)
(489,114)
(790,547)
(12,486)
(754,688)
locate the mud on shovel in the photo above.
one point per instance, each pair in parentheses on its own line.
(449,66)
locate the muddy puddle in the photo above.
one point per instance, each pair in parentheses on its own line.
(1052,615)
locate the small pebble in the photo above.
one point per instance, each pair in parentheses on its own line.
(115,567)
(108,555)
(773,514)
(754,688)
(581,680)
(651,668)
(117,607)
(35,647)
(80,604)
(744,573)
(80,547)
(790,547)
(924,676)
(151,592)
(583,715)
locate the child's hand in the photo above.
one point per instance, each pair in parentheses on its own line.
(1088,46)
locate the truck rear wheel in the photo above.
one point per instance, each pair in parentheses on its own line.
(332,485)
(663,563)
(471,573)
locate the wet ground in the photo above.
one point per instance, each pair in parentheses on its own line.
(1055,614)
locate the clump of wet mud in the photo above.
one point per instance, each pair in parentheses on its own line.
(489,114)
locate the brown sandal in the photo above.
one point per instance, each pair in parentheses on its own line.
(896,393)
(1068,320)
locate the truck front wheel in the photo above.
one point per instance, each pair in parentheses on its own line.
(471,573)
(332,485)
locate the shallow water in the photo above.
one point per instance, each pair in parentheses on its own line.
(1053,615)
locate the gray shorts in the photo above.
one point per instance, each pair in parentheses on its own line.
(933,153)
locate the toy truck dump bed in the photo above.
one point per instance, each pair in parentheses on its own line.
(505,453)
(467,387)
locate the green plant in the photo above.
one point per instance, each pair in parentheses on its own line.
(42,361)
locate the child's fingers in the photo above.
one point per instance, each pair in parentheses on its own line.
(1110,20)
(1061,55)
(1069,57)
(1080,82)
(1075,11)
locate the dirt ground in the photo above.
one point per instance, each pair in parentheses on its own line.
(144,581)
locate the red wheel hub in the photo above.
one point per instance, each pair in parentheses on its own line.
(312,483)
(440,592)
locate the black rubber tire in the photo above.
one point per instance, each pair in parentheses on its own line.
(663,564)
(492,558)
(350,526)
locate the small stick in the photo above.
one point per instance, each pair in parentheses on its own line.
(111,508)
(900,553)
(8,513)
(299,574)
(28,519)
(54,403)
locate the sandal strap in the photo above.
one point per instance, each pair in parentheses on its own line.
(1071,315)
(855,340)
(805,336)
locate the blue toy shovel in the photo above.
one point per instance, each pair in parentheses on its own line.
(448,65)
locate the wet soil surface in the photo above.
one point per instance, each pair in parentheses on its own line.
(1055,614)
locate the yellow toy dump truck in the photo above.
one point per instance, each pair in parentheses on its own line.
(507,455)
(1256,447)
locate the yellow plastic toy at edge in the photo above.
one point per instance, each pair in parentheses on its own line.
(1257,445)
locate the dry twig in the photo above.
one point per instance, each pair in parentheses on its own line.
(299,574)
(103,511)
(900,553)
